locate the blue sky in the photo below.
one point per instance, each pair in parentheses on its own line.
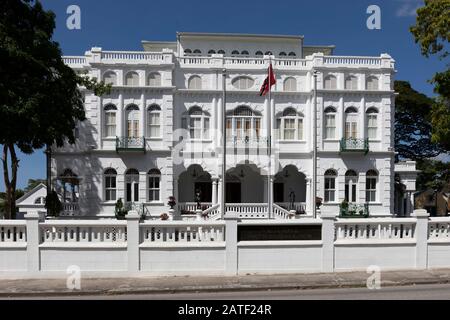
(121,25)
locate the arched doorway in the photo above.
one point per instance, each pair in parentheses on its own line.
(289,188)
(245,184)
(194,180)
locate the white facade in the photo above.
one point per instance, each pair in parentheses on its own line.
(130,148)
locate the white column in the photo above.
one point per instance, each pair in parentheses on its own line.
(133,241)
(411,202)
(341,116)
(219,128)
(120,116)
(142,120)
(219,190)
(308,199)
(32,222)
(214,192)
(362,117)
(421,232)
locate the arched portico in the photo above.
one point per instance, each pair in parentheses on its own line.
(290,189)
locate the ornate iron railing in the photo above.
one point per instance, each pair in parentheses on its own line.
(354,145)
(354,210)
(248,141)
(130,143)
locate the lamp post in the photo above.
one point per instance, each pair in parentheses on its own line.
(314,180)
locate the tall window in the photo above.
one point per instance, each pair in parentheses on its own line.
(154,121)
(197,123)
(351,182)
(154,185)
(371,186)
(110,176)
(330,185)
(290,84)
(132,185)
(290,125)
(372,123)
(110,120)
(351,83)
(243,123)
(195,82)
(110,77)
(351,123)
(132,121)
(330,123)
(329,82)
(154,79)
(372,83)
(243,82)
(132,79)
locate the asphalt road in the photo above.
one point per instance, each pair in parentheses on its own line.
(422,292)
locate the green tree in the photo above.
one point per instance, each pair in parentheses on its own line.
(433,174)
(412,124)
(432,32)
(32,183)
(40,97)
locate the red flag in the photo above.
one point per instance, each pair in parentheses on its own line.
(269,80)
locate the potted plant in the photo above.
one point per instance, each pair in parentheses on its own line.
(164,216)
(120,211)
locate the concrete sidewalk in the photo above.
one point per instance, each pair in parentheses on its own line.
(148,285)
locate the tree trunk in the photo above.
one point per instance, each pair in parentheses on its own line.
(10,184)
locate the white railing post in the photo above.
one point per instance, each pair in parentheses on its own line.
(328,241)
(32,221)
(421,231)
(133,241)
(231,252)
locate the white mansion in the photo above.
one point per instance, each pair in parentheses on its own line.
(158,133)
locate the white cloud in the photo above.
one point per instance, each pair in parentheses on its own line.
(408,8)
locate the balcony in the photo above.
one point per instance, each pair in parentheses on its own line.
(247,142)
(354,145)
(353,210)
(130,144)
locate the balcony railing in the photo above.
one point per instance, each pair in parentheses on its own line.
(353,210)
(354,145)
(130,144)
(247,142)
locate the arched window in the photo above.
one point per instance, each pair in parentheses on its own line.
(282,54)
(154,121)
(329,82)
(243,123)
(39,200)
(372,123)
(68,186)
(132,121)
(351,83)
(351,182)
(372,83)
(187,51)
(234,53)
(243,82)
(244,53)
(197,52)
(290,125)
(154,185)
(110,178)
(110,112)
(132,185)
(371,186)
(290,84)
(330,123)
(221,51)
(195,82)
(292,54)
(351,123)
(330,185)
(196,121)
(110,77)
(154,79)
(258,53)
(132,79)
(268,53)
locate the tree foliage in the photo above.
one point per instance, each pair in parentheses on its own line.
(412,123)
(432,33)
(40,100)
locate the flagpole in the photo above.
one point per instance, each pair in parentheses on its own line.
(269,147)
(224,145)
